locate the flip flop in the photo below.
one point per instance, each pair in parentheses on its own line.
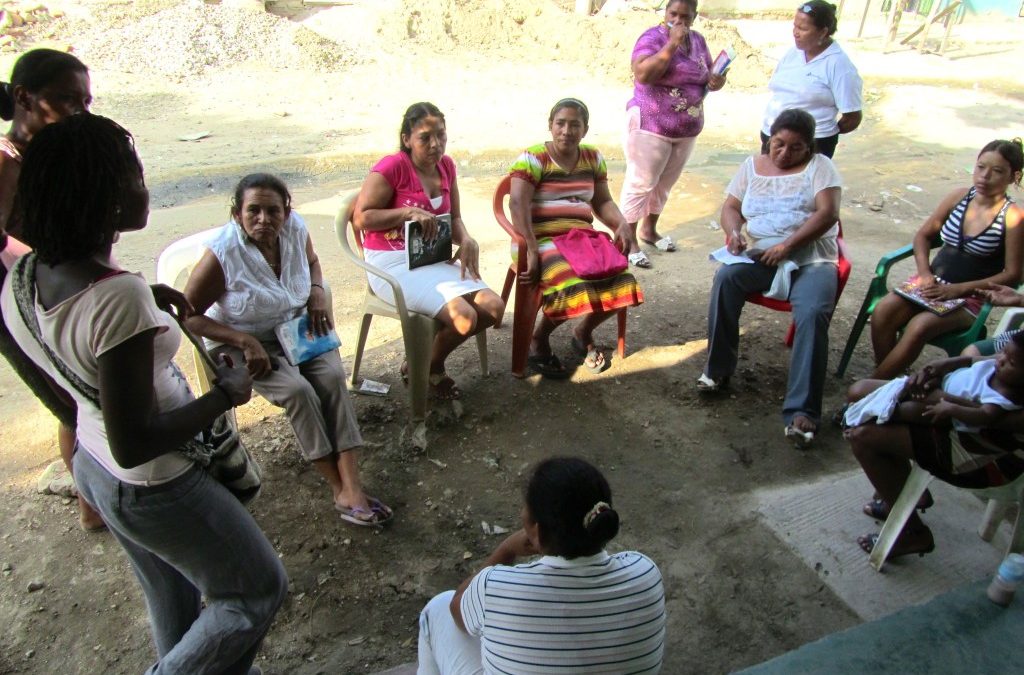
(443,388)
(868,542)
(548,366)
(595,356)
(705,385)
(640,259)
(801,439)
(376,516)
(664,244)
(879,509)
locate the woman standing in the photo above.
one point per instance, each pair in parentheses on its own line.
(816,75)
(97,331)
(46,86)
(670,71)
(418,183)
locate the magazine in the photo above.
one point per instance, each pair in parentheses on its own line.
(300,344)
(910,289)
(723,61)
(422,252)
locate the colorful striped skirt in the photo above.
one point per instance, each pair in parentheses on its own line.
(565,295)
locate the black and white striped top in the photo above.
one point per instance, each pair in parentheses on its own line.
(594,614)
(988,242)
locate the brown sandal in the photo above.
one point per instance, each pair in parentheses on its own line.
(443,388)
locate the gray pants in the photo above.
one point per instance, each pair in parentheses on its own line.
(313,395)
(813,296)
(188,538)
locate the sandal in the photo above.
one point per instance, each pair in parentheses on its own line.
(377,515)
(839,417)
(548,366)
(879,509)
(593,358)
(801,438)
(664,244)
(705,385)
(404,372)
(640,259)
(443,388)
(868,542)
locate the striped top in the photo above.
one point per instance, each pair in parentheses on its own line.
(559,193)
(989,242)
(593,614)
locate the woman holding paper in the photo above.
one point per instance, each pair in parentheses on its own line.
(789,202)
(417,184)
(671,78)
(982,245)
(261,271)
(816,75)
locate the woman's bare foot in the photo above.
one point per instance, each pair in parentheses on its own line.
(89,519)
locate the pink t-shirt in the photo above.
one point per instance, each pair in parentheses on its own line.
(399,172)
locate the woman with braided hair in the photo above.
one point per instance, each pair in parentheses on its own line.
(575,609)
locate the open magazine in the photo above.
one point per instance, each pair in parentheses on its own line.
(910,289)
(300,343)
(422,252)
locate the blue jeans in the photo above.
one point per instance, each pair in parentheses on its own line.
(188,538)
(813,296)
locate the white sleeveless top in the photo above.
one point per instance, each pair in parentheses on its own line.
(255,300)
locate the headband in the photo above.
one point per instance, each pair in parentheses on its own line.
(599,507)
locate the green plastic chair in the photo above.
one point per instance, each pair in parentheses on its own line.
(417,329)
(951,343)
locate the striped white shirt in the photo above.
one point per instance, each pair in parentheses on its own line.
(594,614)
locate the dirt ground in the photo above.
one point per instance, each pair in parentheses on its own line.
(317,99)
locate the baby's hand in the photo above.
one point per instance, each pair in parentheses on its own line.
(943,410)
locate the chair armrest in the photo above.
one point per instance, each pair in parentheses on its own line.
(341,224)
(886,262)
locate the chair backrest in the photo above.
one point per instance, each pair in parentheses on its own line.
(503,190)
(176,261)
(343,225)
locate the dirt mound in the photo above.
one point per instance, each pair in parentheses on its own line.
(190,38)
(543,30)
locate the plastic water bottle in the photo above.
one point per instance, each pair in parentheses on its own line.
(1010,574)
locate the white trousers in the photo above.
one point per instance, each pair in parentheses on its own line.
(444,649)
(653,165)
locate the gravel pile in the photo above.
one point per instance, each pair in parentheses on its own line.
(188,39)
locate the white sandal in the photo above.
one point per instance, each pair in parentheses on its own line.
(800,439)
(705,385)
(640,259)
(665,244)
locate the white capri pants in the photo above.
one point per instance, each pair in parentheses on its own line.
(653,165)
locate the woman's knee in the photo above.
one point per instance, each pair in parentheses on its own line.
(461,316)
(490,305)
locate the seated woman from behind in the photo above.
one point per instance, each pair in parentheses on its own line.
(574,610)
(981,244)
(559,186)
(259,271)
(789,201)
(418,184)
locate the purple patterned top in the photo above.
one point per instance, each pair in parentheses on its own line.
(674,106)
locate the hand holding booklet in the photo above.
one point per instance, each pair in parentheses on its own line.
(300,343)
(423,252)
(723,61)
(911,290)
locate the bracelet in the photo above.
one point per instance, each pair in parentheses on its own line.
(222,389)
(314,284)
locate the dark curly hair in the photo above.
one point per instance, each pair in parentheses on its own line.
(76,179)
(35,70)
(572,503)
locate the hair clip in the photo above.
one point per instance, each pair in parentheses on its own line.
(599,507)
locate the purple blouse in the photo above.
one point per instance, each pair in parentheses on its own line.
(674,105)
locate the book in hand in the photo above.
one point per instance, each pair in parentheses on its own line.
(300,343)
(911,290)
(723,61)
(422,252)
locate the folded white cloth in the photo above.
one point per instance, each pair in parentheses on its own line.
(781,282)
(878,405)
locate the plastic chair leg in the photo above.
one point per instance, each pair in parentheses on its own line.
(418,335)
(1017,540)
(527,304)
(851,342)
(481,345)
(622,333)
(995,511)
(899,514)
(790,334)
(364,330)
(506,291)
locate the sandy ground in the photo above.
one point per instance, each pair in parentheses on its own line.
(683,468)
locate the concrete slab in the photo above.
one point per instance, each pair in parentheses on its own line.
(821,522)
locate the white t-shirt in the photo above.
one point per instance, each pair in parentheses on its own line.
(825,86)
(973,383)
(776,206)
(595,614)
(84,327)
(255,300)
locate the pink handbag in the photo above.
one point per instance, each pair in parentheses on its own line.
(590,253)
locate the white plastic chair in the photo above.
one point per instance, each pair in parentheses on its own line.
(1012,319)
(173,268)
(1000,499)
(418,330)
